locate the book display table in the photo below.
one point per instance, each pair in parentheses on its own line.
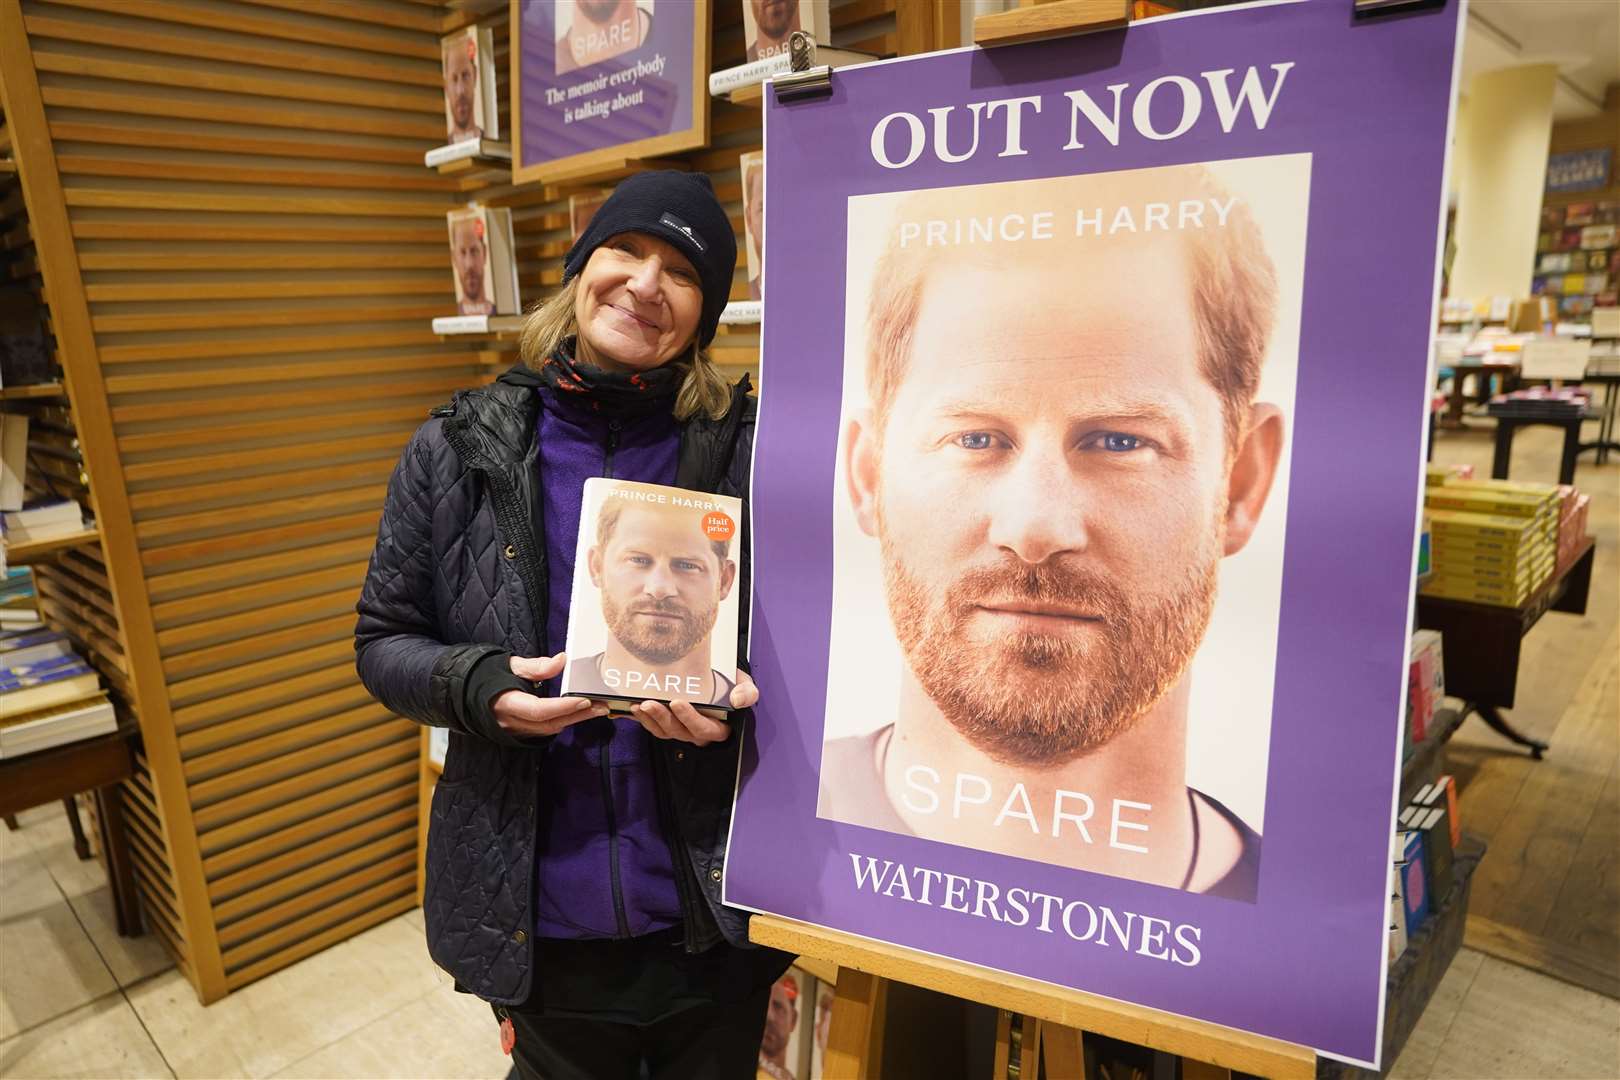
(97,765)
(1456,399)
(1606,440)
(1483,642)
(1508,426)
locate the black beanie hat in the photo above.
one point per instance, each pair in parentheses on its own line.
(678,207)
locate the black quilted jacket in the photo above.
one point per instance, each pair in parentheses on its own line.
(457,574)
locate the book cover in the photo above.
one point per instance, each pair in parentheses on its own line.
(1414,883)
(64,684)
(468,64)
(655,596)
(482,253)
(768,24)
(785,1048)
(752,170)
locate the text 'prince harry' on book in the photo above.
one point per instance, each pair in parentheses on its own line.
(1062,444)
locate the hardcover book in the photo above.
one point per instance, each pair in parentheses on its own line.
(752,168)
(56,725)
(1414,883)
(768,24)
(655,597)
(1437,852)
(470,94)
(484,258)
(40,686)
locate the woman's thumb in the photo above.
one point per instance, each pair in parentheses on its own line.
(538,668)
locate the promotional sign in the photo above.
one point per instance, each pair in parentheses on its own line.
(596,81)
(1579,170)
(1085,506)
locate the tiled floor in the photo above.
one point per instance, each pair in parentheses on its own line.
(78,1001)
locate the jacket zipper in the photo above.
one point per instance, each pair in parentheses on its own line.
(686,886)
(607,748)
(613,834)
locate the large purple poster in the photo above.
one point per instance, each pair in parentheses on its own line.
(595,79)
(1085,506)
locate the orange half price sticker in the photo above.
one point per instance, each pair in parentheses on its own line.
(718,526)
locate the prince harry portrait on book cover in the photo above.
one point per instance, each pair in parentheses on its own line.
(1061,490)
(662,582)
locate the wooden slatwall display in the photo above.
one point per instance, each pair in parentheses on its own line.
(243,252)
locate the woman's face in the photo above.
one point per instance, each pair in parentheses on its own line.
(638,304)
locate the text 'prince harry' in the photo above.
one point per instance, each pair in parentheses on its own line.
(1060,448)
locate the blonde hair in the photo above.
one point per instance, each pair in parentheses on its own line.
(1234,284)
(703,390)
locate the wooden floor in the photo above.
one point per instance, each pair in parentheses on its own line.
(1547,895)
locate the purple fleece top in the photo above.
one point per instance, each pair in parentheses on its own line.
(604,867)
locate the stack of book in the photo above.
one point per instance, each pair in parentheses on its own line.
(1494,541)
(1425,843)
(43,521)
(1425,688)
(19,608)
(1541,403)
(48,694)
(1572,507)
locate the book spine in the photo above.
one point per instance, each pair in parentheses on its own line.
(461,324)
(729,79)
(443,155)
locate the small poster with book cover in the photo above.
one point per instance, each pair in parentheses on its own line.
(600,82)
(1081,654)
(467,59)
(482,254)
(653,614)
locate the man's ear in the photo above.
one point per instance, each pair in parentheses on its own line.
(728,577)
(593,562)
(1253,469)
(861,454)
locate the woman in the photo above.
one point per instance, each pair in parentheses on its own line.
(574,859)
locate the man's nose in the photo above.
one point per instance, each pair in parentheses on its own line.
(1038,507)
(659,583)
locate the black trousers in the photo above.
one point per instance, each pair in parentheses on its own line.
(704,1042)
(621,1010)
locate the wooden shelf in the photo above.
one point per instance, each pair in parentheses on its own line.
(22,554)
(31,390)
(752,94)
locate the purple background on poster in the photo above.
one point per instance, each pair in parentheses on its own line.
(666,107)
(1370,102)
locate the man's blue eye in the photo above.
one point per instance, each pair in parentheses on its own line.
(1119,444)
(975,440)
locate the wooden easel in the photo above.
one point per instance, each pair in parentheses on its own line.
(1051,1019)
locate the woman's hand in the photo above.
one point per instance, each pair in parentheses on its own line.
(522,713)
(679,720)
